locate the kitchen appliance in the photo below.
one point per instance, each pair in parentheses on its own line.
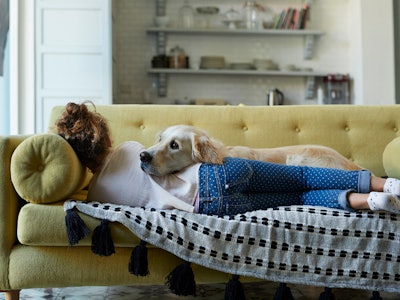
(275,97)
(337,89)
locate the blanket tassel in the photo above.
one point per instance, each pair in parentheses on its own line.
(181,280)
(76,228)
(283,293)
(327,294)
(234,289)
(102,243)
(138,264)
(376,296)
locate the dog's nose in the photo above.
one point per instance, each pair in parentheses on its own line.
(145,156)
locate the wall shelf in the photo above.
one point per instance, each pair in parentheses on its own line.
(308,75)
(238,72)
(161,33)
(301,32)
(308,35)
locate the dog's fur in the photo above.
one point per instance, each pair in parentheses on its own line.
(182,145)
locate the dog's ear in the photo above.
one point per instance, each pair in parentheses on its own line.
(205,149)
(158,136)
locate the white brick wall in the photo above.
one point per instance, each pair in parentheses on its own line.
(134,48)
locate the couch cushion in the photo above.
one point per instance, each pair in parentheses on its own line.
(45,169)
(348,129)
(44,225)
(391,158)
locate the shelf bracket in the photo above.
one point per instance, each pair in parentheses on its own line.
(310,87)
(161,49)
(162,85)
(309,41)
(160,7)
(161,43)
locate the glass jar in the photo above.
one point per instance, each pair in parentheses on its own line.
(178,58)
(186,16)
(251,15)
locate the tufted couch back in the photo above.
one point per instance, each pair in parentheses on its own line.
(358,132)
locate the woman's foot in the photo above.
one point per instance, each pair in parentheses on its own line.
(384,201)
(392,185)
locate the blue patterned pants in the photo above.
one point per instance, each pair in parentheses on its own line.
(240,185)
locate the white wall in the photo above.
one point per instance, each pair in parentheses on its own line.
(355,31)
(22,80)
(372,51)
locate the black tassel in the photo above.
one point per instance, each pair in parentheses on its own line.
(102,243)
(181,280)
(234,289)
(376,296)
(283,293)
(139,265)
(76,228)
(327,295)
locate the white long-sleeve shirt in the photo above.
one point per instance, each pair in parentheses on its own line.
(122,181)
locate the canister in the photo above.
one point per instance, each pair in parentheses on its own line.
(337,89)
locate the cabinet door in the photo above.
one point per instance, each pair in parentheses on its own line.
(73,54)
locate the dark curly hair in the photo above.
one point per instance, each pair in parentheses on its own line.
(87,132)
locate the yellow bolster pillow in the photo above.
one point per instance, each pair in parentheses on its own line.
(45,169)
(391,158)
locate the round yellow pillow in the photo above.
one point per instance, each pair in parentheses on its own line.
(391,158)
(45,169)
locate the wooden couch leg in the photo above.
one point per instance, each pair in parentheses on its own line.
(11,295)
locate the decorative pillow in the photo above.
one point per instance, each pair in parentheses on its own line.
(391,158)
(45,169)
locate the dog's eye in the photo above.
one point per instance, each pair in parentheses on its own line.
(174,145)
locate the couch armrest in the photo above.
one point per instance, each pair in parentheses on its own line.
(9,206)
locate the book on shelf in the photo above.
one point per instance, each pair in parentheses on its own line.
(293,18)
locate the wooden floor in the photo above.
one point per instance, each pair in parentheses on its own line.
(253,291)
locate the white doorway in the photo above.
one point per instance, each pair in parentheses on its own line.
(72,54)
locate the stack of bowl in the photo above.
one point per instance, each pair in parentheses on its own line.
(265,64)
(212,62)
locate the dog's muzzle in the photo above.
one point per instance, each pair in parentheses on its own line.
(145,157)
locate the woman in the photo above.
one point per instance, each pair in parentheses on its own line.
(236,186)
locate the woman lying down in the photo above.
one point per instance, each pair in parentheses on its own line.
(236,186)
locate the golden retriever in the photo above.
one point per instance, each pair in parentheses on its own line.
(181,145)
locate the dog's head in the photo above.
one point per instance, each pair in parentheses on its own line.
(178,147)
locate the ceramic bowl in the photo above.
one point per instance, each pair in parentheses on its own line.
(161,21)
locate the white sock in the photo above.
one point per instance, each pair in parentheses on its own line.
(392,185)
(384,201)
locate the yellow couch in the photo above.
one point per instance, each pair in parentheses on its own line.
(34,250)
